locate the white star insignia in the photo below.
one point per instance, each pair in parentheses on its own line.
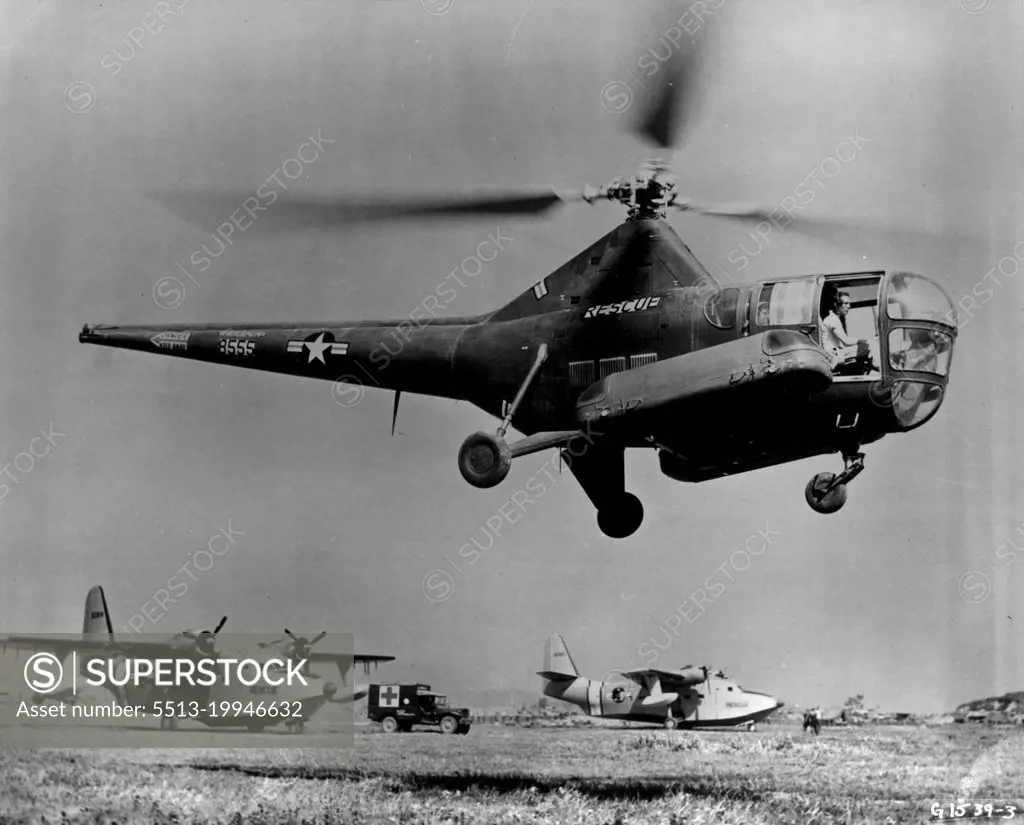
(316,349)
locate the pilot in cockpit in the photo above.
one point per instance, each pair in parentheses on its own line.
(839,345)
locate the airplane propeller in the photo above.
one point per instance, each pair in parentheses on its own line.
(203,639)
(301,645)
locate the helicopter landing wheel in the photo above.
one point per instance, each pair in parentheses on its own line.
(621,517)
(823,495)
(484,459)
(826,492)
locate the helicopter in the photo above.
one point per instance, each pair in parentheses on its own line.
(631,344)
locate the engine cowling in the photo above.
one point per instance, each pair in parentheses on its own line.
(690,675)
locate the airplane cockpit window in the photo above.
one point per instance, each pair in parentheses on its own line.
(720,308)
(788,303)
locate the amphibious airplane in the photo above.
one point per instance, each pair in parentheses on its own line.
(98,641)
(690,697)
(630,344)
(95,622)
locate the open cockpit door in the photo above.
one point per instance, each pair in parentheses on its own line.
(863,292)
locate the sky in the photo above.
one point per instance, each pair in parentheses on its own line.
(910,595)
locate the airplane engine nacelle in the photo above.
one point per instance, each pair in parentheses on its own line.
(690,676)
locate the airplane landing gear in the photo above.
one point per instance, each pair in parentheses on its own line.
(671,723)
(485,459)
(621,516)
(297,727)
(826,492)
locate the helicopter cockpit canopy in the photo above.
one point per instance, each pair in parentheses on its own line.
(905,326)
(922,328)
(912,297)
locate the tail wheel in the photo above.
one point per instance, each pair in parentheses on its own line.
(819,500)
(449,724)
(389,724)
(484,459)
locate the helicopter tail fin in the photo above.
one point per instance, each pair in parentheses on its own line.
(579,280)
(625,271)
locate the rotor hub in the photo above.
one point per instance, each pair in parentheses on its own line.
(646,195)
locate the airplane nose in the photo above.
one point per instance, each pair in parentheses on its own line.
(330,689)
(779,704)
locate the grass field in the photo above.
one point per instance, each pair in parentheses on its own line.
(498,774)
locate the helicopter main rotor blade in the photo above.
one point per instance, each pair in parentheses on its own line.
(210,210)
(854,234)
(661,120)
(669,106)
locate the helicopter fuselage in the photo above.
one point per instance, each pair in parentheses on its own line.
(633,342)
(743,422)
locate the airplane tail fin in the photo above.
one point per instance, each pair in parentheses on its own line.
(97,617)
(558,664)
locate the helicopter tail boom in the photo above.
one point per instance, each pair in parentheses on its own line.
(397,355)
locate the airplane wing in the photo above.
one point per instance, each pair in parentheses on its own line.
(100,643)
(669,680)
(363,658)
(342,660)
(368,658)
